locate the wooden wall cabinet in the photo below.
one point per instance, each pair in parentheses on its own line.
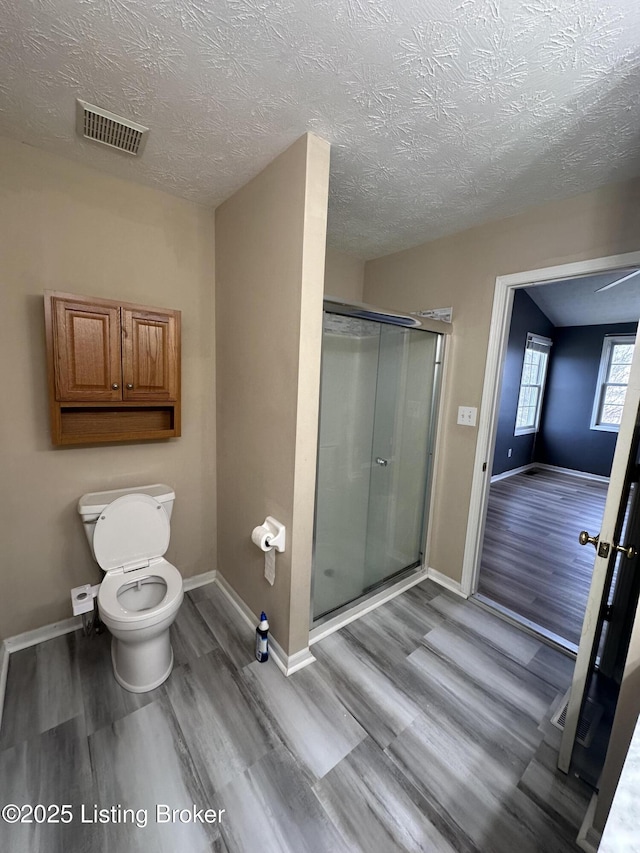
(113,369)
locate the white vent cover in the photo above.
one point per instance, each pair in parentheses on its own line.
(589,719)
(102,126)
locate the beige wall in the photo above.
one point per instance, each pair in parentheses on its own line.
(343,276)
(461,270)
(67,227)
(270,239)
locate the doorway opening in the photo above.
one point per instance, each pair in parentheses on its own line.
(566,363)
(516,475)
(550,499)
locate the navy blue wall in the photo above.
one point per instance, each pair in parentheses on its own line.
(565,437)
(526,317)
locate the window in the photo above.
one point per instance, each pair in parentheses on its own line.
(534,372)
(613,378)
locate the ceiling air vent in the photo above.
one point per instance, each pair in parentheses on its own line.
(112,130)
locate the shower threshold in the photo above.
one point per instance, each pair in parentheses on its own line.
(372,597)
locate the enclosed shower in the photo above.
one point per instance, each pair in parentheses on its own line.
(378,408)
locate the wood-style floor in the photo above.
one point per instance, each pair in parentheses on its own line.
(421,727)
(532,562)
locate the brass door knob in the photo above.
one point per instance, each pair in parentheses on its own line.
(628,550)
(584,539)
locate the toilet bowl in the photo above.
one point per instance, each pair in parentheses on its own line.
(141,593)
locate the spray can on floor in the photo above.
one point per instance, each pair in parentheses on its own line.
(262,639)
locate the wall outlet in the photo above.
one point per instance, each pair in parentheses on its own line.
(509,452)
(467,415)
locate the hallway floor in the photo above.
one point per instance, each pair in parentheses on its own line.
(421,727)
(532,563)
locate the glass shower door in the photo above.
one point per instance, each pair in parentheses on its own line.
(376,425)
(400,452)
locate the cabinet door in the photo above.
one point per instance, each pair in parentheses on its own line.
(150,354)
(87,362)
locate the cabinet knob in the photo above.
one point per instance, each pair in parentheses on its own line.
(115,386)
(129,386)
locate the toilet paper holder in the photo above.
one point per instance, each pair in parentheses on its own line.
(278,533)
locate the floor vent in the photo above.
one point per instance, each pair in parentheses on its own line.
(102,126)
(591,714)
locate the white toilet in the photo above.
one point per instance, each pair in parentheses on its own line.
(141,593)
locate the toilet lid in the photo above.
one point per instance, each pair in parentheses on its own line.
(131,531)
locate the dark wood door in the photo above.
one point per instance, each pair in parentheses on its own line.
(609,549)
(150,354)
(87,361)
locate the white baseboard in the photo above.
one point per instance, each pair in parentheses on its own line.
(67,626)
(585,475)
(239,603)
(199,580)
(358,610)
(288,664)
(446,582)
(588,837)
(542,466)
(41,635)
(512,472)
(4,669)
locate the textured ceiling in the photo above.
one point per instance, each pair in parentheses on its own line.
(441,113)
(574,302)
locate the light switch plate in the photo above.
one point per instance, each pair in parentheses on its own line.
(467,415)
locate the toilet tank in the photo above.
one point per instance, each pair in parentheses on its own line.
(91,505)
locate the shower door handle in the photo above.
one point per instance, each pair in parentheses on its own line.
(381,461)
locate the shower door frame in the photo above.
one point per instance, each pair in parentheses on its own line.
(411,576)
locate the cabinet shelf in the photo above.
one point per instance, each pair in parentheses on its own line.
(123,404)
(113,370)
(86,424)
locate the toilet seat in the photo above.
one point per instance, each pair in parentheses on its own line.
(131,535)
(130,532)
(113,611)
